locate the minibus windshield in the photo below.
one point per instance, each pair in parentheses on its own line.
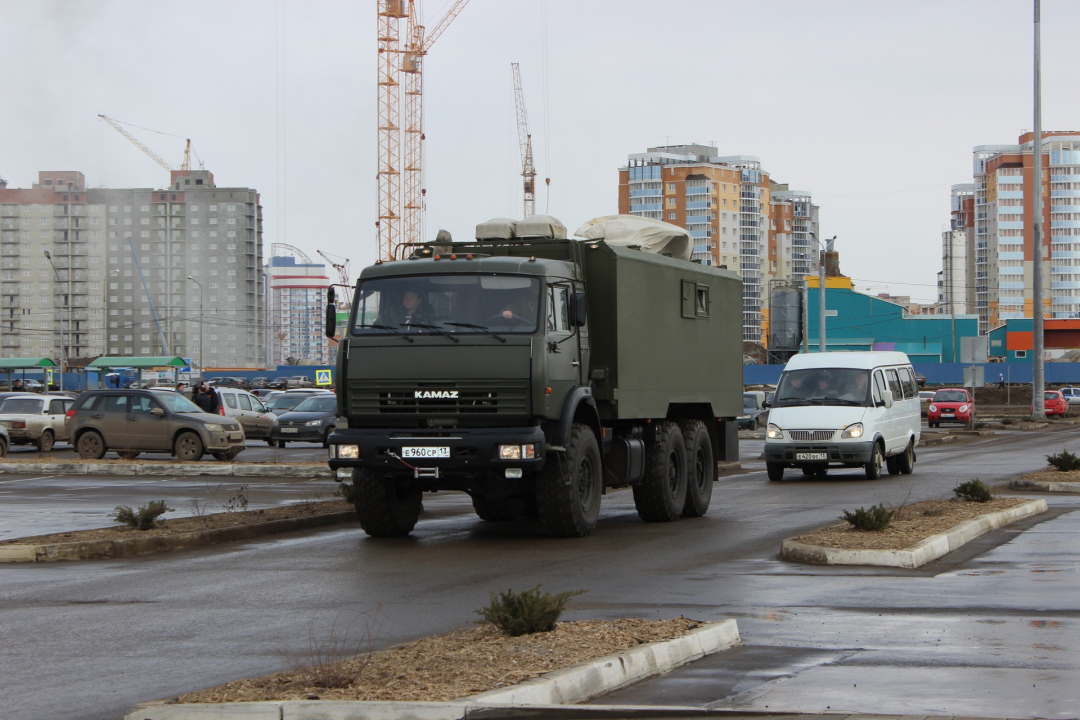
(824,386)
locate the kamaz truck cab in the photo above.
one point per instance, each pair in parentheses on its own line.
(533,372)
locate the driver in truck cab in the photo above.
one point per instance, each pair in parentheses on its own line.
(413,310)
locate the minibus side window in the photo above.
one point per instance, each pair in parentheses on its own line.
(879,386)
(894,385)
(907,378)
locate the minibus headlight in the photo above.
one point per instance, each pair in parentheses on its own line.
(774,432)
(853,431)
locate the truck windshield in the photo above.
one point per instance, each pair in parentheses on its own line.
(458,303)
(823,386)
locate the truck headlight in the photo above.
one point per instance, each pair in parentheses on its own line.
(855,430)
(774,432)
(346,452)
(933,408)
(517,452)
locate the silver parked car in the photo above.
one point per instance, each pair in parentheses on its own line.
(35,419)
(257,420)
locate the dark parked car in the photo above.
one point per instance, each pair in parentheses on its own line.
(224,382)
(920,379)
(311,421)
(259,382)
(286,401)
(130,422)
(754,414)
(279,383)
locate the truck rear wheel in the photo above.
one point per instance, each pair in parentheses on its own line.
(661,494)
(386,506)
(700,466)
(501,510)
(568,489)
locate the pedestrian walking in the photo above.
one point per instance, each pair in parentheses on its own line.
(1001,381)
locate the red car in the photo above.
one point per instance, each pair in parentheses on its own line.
(1055,403)
(951,405)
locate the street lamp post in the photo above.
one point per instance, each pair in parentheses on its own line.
(67,299)
(200,325)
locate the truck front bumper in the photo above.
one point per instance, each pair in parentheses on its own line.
(446,450)
(835,453)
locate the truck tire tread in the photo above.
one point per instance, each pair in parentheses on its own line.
(654,497)
(559,502)
(381,507)
(698,497)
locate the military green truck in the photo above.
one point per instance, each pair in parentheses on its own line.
(533,372)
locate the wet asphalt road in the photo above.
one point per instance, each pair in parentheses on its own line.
(988,630)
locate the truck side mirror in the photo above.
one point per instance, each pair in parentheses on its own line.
(579,312)
(331,313)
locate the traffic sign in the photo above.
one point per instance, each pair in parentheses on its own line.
(322,377)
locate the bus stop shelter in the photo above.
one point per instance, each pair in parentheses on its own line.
(104,364)
(10,365)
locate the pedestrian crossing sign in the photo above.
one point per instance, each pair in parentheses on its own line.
(48,376)
(322,377)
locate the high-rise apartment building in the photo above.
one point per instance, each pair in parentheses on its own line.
(130,254)
(738,218)
(1004,228)
(39,299)
(295,310)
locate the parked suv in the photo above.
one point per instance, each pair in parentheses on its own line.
(249,410)
(35,419)
(130,422)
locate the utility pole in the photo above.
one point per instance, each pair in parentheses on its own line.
(821,301)
(67,299)
(200,325)
(1038,407)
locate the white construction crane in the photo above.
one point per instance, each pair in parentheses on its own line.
(343,275)
(185,165)
(528,169)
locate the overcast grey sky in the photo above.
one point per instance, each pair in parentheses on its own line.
(872,106)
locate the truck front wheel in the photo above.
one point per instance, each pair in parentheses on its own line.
(701,468)
(568,489)
(661,495)
(386,506)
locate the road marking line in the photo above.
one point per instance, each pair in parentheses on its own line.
(15,480)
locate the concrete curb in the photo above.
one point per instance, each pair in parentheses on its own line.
(919,554)
(1054,487)
(218,469)
(569,685)
(129,547)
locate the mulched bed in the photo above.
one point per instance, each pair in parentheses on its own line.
(909,525)
(189,524)
(447,667)
(1052,474)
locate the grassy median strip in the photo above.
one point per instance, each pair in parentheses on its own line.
(205,529)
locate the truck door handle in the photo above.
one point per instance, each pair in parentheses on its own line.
(575,363)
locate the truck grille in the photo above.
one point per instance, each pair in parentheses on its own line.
(811,435)
(477,397)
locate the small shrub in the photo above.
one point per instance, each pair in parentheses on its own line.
(874,519)
(526,612)
(338,658)
(1007,421)
(973,491)
(143,518)
(1064,461)
(347,491)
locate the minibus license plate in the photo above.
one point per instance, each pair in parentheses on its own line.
(811,456)
(425,452)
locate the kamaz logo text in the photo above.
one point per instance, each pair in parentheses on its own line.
(436,394)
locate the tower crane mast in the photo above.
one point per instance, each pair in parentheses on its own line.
(528,169)
(401,199)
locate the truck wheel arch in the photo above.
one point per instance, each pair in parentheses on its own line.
(579,407)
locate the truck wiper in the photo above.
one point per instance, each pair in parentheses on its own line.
(393,330)
(481,328)
(432,328)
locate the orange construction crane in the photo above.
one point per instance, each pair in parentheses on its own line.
(397,204)
(528,170)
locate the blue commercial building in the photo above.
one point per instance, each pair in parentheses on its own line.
(856,321)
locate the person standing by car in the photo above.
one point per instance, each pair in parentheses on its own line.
(17,386)
(202,398)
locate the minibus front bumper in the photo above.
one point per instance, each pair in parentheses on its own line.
(794,454)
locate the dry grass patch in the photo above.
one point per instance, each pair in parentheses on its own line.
(1051,474)
(463,663)
(910,524)
(212,521)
